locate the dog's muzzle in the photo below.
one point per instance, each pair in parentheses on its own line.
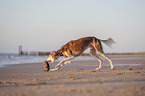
(46,66)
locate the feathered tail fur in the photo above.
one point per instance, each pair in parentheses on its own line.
(108,42)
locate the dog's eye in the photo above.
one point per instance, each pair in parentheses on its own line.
(57,54)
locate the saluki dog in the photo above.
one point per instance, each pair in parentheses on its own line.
(75,48)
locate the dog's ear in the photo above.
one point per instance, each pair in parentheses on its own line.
(57,54)
(53,52)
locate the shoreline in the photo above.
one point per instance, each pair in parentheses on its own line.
(76,78)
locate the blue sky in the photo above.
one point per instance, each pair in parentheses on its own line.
(45,25)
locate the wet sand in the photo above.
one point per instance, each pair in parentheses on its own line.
(76,79)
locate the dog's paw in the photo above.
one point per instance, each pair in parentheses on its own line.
(98,68)
(112,68)
(67,62)
(53,69)
(57,66)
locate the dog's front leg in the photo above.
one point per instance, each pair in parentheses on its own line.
(57,67)
(63,62)
(53,69)
(66,62)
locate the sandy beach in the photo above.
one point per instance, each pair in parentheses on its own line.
(76,79)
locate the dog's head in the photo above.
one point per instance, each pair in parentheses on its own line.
(53,56)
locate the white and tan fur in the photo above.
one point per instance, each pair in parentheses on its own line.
(75,48)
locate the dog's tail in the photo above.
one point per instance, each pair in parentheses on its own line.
(108,42)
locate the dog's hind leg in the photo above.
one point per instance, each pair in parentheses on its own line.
(93,54)
(108,58)
(98,47)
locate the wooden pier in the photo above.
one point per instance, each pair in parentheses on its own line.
(21,52)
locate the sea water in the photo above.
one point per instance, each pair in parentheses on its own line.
(8,59)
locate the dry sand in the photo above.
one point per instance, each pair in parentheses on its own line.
(76,79)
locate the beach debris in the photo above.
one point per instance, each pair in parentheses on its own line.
(120,74)
(137,71)
(8,83)
(75,77)
(46,66)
